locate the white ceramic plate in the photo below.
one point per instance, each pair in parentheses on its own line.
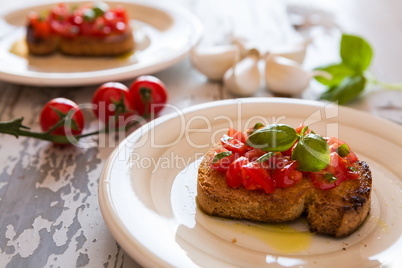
(163,33)
(148,187)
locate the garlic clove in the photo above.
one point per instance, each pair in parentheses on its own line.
(215,60)
(285,76)
(244,77)
(296,52)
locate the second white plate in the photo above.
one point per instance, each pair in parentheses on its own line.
(163,34)
(148,187)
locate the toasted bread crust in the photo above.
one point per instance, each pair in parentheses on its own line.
(337,212)
(112,45)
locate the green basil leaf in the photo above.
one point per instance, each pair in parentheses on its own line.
(330,177)
(220,156)
(312,153)
(273,138)
(303,131)
(338,72)
(356,52)
(265,157)
(343,150)
(256,127)
(347,90)
(100,8)
(352,169)
(89,15)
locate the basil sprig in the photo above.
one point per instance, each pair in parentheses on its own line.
(348,77)
(311,151)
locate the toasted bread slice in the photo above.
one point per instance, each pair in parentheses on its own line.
(337,212)
(112,45)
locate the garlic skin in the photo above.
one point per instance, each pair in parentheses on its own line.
(214,61)
(286,76)
(244,77)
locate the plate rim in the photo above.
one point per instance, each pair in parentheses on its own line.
(141,254)
(120,73)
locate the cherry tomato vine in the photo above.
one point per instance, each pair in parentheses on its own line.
(62,121)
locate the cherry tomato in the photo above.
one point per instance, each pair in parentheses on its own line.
(55,109)
(287,176)
(233,174)
(254,177)
(110,98)
(149,89)
(224,163)
(234,145)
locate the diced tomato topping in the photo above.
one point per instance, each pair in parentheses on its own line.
(279,171)
(237,135)
(334,143)
(352,174)
(233,145)
(67,22)
(321,180)
(233,174)
(224,163)
(254,154)
(332,175)
(287,176)
(255,177)
(277,161)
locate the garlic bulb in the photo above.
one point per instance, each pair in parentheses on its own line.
(244,77)
(286,76)
(214,61)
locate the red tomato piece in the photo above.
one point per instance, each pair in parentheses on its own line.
(240,136)
(320,181)
(54,110)
(234,145)
(148,91)
(224,163)
(277,161)
(110,98)
(287,176)
(233,174)
(254,154)
(254,177)
(325,179)
(334,143)
(40,25)
(351,174)
(231,132)
(337,167)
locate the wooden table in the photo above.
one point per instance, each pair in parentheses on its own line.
(49,211)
